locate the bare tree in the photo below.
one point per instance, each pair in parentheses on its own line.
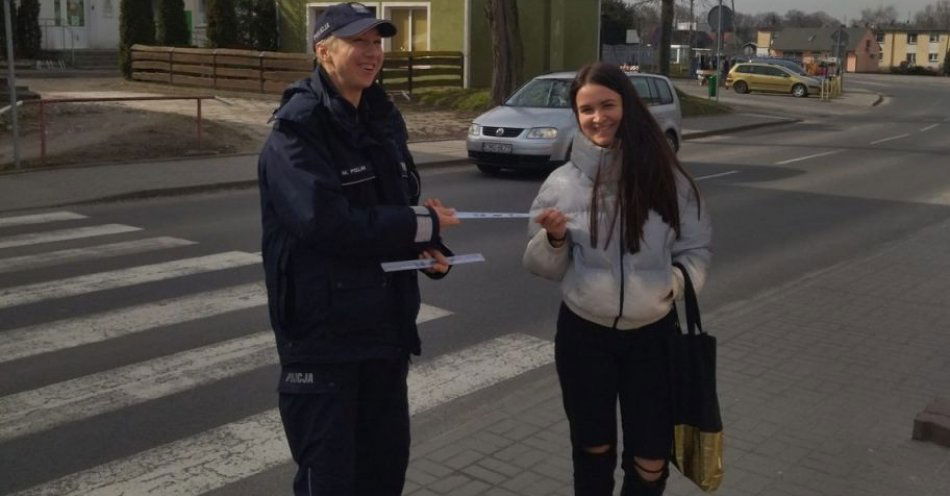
(935,16)
(507,51)
(877,17)
(666,35)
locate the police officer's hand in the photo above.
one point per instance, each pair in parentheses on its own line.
(555,223)
(441,263)
(446,215)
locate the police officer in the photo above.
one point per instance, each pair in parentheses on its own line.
(337,188)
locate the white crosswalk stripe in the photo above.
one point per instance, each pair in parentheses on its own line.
(68,333)
(222,455)
(63,257)
(84,397)
(234,451)
(22,220)
(64,235)
(121,278)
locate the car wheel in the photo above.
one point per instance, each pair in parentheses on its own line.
(490,170)
(674,143)
(741,87)
(800,90)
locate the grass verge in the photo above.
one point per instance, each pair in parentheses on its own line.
(693,106)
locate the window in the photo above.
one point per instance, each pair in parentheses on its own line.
(745,69)
(911,59)
(911,38)
(933,58)
(867,45)
(412,28)
(934,37)
(662,90)
(644,89)
(879,37)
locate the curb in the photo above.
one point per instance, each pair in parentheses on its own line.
(737,129)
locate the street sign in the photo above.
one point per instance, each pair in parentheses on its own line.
(713,18)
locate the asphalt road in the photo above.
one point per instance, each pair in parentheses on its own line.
(786,201)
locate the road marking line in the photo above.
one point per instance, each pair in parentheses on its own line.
(77,399)
(721,174)
(39,218)
(121,278)
(62,257)
(928,128)
(68,333)
(429,312)
(231,452)
(892,138)
(65,235)
(799,159)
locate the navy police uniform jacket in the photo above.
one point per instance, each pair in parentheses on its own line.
(337,189)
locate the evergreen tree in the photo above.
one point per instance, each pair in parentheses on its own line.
(29,38)
(263,25)
(136,26)
(171,27)
(3,29)
(223,28)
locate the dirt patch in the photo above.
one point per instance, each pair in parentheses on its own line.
(141,130)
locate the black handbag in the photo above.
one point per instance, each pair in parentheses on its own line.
(697,435)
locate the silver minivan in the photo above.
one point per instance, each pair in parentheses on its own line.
(534,128)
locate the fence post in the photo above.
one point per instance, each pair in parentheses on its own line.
(410,72)
(198,120)
(171,66)
(214,68)
(260,68)
(42,131)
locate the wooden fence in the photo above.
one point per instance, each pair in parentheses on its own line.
(271,72)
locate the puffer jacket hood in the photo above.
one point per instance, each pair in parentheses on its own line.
(608,285)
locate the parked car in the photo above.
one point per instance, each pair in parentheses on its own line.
(535,127)
(786,63)
(748,77)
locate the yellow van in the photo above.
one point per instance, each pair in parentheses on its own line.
(746,77)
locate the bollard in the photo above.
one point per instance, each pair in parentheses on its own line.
(712,84)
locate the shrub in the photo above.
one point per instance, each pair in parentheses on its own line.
(136,25)
(28,36)
(258,20)
(171,27)
(3,30)
(223,27)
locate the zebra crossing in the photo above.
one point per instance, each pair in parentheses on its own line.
(197,463)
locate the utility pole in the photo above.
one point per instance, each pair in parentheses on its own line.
(719,83)
(11,82)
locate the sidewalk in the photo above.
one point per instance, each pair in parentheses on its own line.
(45,188)
(819,382)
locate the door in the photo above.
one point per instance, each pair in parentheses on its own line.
(102,26)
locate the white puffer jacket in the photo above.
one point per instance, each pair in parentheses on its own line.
(592,279)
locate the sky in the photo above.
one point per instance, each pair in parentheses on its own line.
(837,8)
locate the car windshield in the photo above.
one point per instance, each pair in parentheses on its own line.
(545,93)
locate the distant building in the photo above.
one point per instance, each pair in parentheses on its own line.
(815,45)
(912,47)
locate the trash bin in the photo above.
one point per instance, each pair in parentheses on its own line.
(712,83)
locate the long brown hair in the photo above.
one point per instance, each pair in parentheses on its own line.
(647,178)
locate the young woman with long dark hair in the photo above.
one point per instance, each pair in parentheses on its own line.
(609,225)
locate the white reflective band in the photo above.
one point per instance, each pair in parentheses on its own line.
(491,215)
(429,262)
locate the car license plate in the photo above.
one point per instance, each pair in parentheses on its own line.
(496,147)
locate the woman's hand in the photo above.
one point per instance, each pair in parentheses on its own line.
(441,265)
(446,215)
(555,223)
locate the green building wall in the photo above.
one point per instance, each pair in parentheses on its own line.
(556,34)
